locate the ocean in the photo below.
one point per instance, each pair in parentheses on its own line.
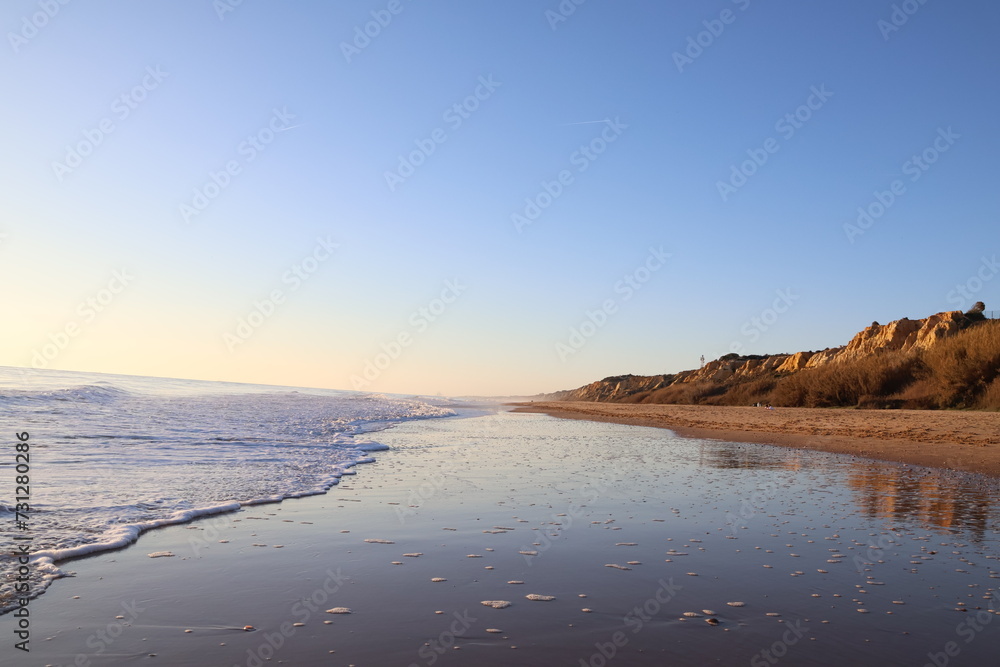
(608,542)
(112,456)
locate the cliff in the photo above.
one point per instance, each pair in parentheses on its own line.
(878,350)
(613,388)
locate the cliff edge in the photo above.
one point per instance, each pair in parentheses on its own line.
(938,361)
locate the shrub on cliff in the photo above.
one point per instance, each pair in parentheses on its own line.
(963,368)
(846,384)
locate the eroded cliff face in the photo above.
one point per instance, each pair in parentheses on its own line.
(613,388)
(904,335)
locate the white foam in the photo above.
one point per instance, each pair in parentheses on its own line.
(177,450)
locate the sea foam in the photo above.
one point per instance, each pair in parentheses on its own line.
(113,457)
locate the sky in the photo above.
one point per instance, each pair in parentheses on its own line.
(485,198)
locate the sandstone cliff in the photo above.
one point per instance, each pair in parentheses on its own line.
(613,388)
(717,377)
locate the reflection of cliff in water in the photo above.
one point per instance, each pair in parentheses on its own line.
(732,455)
(933,497)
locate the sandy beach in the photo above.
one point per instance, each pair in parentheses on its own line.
(956,440)
(612,545)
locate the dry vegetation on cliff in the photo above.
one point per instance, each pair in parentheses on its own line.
(959,368)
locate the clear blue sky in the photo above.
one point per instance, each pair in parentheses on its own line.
(330,121)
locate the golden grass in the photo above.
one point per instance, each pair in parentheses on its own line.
(959,372)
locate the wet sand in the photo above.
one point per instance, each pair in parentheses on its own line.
(638,535)
(957,440)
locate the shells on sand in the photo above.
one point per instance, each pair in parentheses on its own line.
(712,621)
(161,554)
(528,553)
(339,610)
(616,566)
(692,614)
(540,598)
(375,540)
(736,604)
(496,604)
(438,579)
(515,582)
(494,630)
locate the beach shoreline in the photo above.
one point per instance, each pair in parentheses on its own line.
(966,441)
(596,536)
